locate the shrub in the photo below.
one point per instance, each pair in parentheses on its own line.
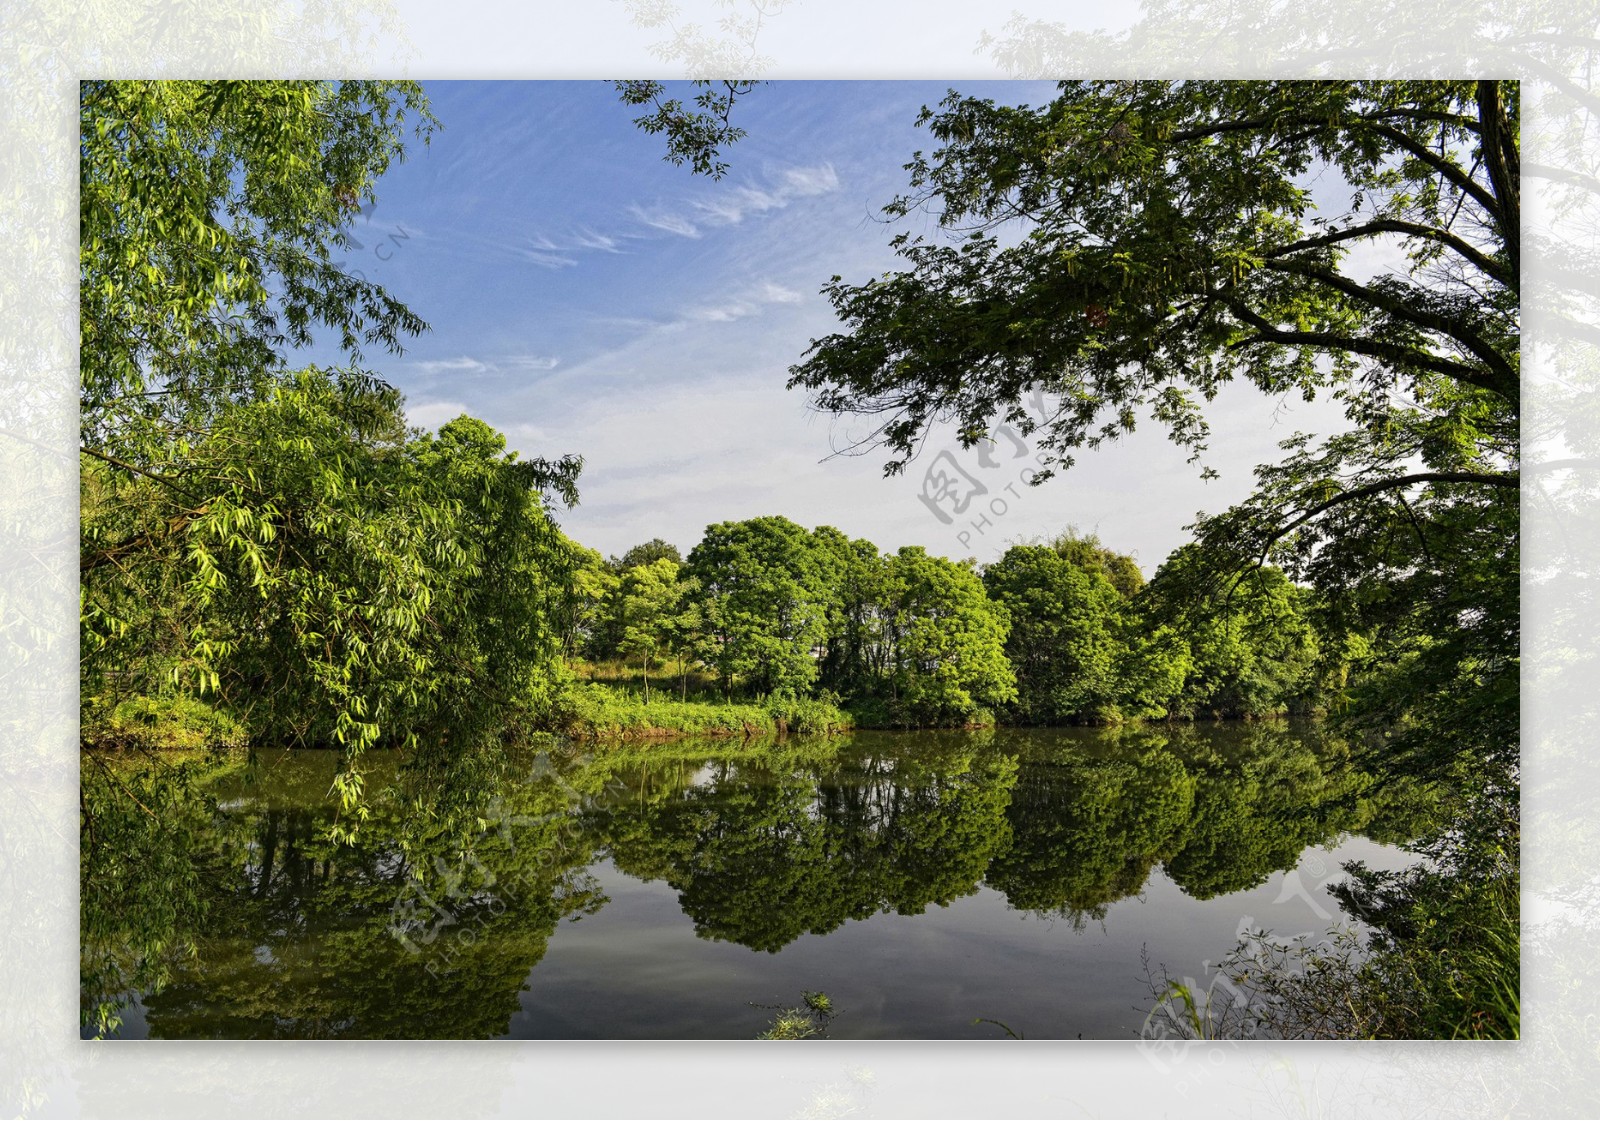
(164,723)
(806,715)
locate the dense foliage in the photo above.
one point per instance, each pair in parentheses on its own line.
(1056,633)
(272,556)
(1130,246)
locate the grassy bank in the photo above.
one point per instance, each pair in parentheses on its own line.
(158,723)
(593,711)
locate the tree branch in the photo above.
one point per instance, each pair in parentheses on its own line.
(1476,256)
(1447,168)
(1499,147)
(1427,320)
(162,479)
(1392,352)
(1511,480)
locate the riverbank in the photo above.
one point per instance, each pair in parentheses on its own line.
(586,711)
(593,712)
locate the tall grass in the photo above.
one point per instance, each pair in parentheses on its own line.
(597,711)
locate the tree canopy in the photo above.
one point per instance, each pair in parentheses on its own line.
(278,540)
(1161,238)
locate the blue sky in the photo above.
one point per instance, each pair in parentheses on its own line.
(585,296)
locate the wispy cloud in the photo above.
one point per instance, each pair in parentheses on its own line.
(547,260)
(778,294)
(732,205)
(469,365)
(462,365)
(776,190)
(532,362)
(747,303)
(806,181)
(665,221)
(588,239)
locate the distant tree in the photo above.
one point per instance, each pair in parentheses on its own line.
(763,601)
(649,597)
(688,638)
(648,553)
(947,639)
(585,598)
(605,637)
(1088,554)
(855,660)
(1251,647)
(1064,644)
(1151,673)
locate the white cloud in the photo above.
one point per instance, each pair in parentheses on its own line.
(726,207)
(532,362)
(731,208)
(464,365)
(431,414)
(806,181)
(744,305)
(665,221)
(777,294)
(721,313)
(732,205)
(547,260)
(469,365)
(588,239)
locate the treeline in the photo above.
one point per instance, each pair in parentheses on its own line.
(1065,631)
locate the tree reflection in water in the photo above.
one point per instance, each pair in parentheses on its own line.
(418,930)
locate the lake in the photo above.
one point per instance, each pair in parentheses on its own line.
(932,884)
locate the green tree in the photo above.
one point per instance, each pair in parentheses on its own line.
(649,595)
(856,660)
(1064,640)
(1133,245)
(763,601)
(501,610)
(948,640)
(333,582)
(277,540)
(760,856)
(647,553)
(585,598)
(1086,552)
(694,136)
(210,216)
(1259,805)
(1172,243)
(1251,649)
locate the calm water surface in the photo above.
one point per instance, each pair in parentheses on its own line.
(924,881)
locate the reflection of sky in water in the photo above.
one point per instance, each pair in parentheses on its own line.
(637,968)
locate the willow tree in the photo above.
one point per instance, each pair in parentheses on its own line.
(274,539)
